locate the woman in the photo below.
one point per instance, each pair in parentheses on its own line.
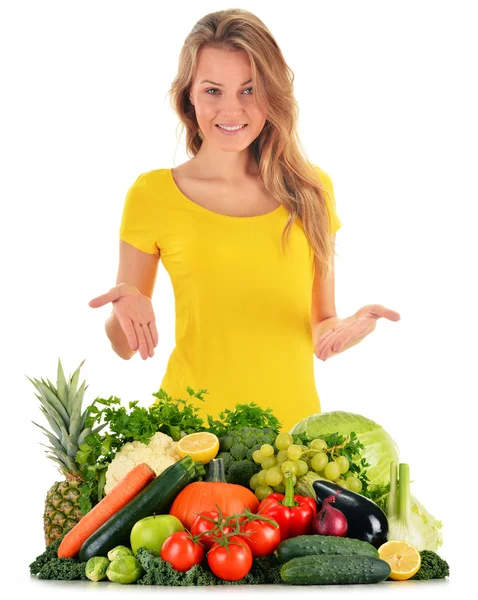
(246,230)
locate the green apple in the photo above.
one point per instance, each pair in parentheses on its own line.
(151,532)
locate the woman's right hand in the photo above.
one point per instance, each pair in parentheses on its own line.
(135,314)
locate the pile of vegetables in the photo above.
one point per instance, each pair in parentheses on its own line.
(321,504)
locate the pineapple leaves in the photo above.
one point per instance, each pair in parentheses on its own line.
(49,400)
(73,386)
(76,417)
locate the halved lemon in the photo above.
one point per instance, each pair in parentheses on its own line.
(201,447)
(403,558)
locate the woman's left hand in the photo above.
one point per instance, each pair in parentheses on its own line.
(352,330)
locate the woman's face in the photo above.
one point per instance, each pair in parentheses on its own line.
(221,93)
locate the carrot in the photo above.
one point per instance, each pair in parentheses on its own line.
(124,491)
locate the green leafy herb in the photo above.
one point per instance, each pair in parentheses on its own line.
(175,418)
(244,415)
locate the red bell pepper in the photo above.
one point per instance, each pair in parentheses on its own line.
(293,513)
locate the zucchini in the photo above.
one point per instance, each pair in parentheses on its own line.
(156,497)
(332,568)
(303,545)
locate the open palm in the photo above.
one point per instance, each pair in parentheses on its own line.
(352,330)
(135,314)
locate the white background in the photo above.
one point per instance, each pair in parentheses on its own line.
(387,97)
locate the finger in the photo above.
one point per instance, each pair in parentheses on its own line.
(326,348)
(325,339)
(143,347)
(110,296)
(378,310)
(148,338)
(127,327)
(154,333)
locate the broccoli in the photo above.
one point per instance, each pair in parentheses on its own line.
(49,566)
(236,449)
(432,567)
(241,471)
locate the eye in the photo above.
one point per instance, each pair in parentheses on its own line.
(216,90)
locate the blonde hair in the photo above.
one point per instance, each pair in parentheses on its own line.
(284,169)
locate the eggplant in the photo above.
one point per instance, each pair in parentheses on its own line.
(366,521)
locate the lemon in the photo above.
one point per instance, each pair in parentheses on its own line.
(201,447)
(403,558)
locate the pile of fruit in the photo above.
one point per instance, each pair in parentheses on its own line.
(154,497)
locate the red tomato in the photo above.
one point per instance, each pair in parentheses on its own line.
(262,537)
(201,525)
(180,550)
(231,563)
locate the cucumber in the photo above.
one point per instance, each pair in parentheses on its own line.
(325,569)
(156,497)
(303,545)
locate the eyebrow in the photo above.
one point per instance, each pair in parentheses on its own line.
(222,85)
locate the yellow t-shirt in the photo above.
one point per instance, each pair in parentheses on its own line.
(243,306)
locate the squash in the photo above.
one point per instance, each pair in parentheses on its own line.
(205,495)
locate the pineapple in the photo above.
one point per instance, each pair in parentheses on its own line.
(62,409)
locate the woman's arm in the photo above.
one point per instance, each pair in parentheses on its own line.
(324,314)
(332,335)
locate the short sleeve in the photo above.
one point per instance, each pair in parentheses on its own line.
(334,222)
(138,218)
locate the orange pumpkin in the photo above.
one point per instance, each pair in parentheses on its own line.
(199,496)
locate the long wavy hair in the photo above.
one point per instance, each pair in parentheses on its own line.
(286,172)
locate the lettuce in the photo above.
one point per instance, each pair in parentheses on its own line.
(380,449)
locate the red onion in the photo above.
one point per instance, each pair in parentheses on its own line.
(329,520)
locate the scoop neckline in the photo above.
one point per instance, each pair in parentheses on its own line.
(212,212)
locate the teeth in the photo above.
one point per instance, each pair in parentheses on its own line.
(231,128)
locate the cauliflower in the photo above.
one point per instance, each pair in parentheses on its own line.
(159,453)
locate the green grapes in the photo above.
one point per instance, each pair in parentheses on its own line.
(262,492)
(343,463)
(257,457)
(332,471)
(274,476)
(280,489)
(283,441)
(319,445)
(281,456)
(254,481)
(302,467)
(267,450)
(294,452)
(261,478)
(354,484)
(268,462)
(288,465)
(319,461)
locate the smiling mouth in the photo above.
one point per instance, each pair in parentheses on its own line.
(231,127)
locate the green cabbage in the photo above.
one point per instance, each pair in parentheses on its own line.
(430,527)
(380,449)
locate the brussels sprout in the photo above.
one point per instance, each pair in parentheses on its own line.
(125,569)
(96,567)
(119,551)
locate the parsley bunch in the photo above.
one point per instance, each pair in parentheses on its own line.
(244,415)
(175,418)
